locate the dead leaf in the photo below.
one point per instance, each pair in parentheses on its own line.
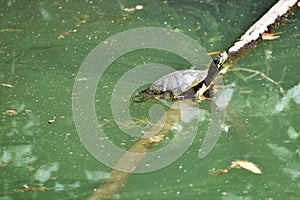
(241,164)
(270,36)
(11,112)
(244,164)
(7,85)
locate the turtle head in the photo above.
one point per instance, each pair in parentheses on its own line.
(216,66)
(221,59)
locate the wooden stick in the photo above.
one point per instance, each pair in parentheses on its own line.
(117,179)
(267,23)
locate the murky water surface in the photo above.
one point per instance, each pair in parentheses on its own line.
(42,46)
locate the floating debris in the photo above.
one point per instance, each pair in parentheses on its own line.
(213,53)
(10,30)
(61,36)
(270,36)
(7,85)
(81,79)
(28,111)
(244,164)
(11,112)
(121,19)
(83,19)
(51,121)
(241,164)
(28,188)
(136,7)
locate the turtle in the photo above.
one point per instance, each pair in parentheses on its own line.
(184,84)
(176,85)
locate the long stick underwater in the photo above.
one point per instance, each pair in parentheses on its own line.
(128,162)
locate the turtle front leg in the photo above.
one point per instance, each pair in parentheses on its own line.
(200,94)
(203,91)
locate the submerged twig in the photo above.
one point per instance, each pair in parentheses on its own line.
(61,36)
(28,188)
(255,73)
(128,163)
(10,30)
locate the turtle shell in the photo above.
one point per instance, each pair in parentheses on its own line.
(177,85)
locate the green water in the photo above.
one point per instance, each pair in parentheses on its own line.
(42,71)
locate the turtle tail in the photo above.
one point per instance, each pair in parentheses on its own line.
(142,96)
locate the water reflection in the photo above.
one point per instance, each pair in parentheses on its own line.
(19,156)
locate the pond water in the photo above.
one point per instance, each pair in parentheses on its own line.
(44,43)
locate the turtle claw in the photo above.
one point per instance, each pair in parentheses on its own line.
(200,99)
